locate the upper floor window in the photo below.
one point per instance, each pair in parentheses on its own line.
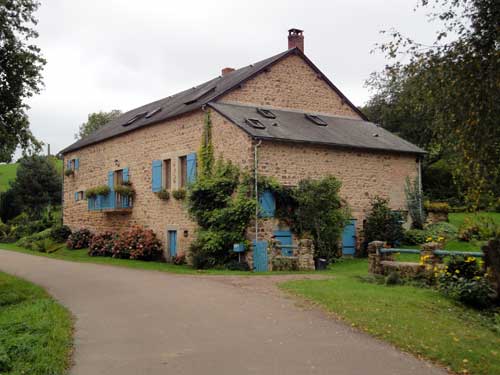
(167,174)
(183,176)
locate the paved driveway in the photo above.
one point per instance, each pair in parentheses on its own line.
(145,322)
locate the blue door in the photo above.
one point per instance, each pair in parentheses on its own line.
(260,256)
(349,238)
(172,242)
(285,237)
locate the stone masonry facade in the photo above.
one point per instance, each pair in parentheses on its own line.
(290,83)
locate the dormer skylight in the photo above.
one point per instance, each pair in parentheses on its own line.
(266,113)
(135,118)
(153,112)
(315,119)
(255,123)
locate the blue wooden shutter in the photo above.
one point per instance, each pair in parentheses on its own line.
(76,195)
(156,176)
(125,174)
(191,168)
(68,164)
(267,204)
(77,163)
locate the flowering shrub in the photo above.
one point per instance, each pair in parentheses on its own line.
(138,243)
(102,244)
(79,239)
(464,279)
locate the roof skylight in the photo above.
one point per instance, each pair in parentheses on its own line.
(255,123)
(317,120)
(266,113)
(135,118)
(153,112)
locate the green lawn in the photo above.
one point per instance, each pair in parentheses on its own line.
(458,218)
(35,331)
(417,320)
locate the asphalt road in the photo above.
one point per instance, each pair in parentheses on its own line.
(133,322)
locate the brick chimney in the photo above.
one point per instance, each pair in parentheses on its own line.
(226,71)
(296,39)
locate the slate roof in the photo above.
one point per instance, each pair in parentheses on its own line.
(189,100)
(294,126)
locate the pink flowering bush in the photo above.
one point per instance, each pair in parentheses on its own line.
(138,243)
(79,239)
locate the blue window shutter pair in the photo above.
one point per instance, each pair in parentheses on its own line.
(191,168)
(156,176)
(267,204)
(125,174)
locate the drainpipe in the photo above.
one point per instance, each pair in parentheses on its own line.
(420,190)
(256,164)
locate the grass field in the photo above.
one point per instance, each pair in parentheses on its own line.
(35,331)
(417,320)
(8,173)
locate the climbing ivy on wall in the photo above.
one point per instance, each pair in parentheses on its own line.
(206,153)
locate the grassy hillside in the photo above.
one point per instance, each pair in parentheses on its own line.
(8,173)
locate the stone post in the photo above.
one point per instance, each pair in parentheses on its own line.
(427,256)
(305,254)
(375,257)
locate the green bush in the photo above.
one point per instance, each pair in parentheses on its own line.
(60,233)
(320,212)
(382,224)
(464,280)
(442,229)
(415,236)
(125,190)
(478,228)
(79,239)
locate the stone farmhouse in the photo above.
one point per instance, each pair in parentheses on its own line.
(280,116)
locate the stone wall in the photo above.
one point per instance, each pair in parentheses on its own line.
(302,258)
(136,151)
(291,83)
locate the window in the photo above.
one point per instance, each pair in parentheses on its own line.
(317,120)
(73,164)
(118,178)
(255,123)
(183,171)
(79,195)
(167,174)
(266,113)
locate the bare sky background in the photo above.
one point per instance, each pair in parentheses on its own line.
(111,54)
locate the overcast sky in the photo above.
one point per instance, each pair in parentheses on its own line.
(119,54)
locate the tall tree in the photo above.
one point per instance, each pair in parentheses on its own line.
(20,75)
(37,184)
(96,120)
(450,90)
